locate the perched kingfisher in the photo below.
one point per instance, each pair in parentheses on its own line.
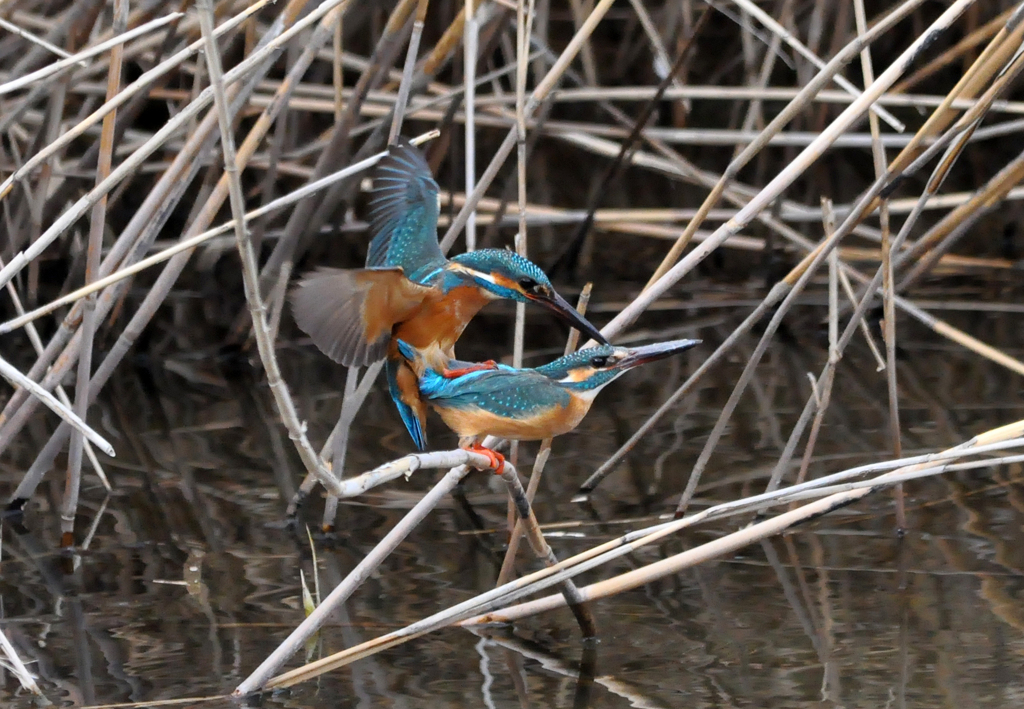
(524,404)
(409,290)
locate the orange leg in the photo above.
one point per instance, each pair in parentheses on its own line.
(478,367)
(497,459)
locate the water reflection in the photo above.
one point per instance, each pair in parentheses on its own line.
(190,579)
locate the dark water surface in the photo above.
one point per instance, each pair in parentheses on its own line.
(836,613)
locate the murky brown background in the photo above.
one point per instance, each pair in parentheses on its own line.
(837,613)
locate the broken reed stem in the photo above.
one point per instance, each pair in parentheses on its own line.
(543,551)
(97,223)
(15,377)
(25,678)
(250,270)
(888,282)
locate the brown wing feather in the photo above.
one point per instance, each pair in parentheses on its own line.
(349,314)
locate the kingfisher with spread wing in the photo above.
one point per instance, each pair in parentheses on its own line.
(410,291)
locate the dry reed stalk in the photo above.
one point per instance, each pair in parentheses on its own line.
(37,346)
(69,506)
(25,678)
(191,243)
(537,97)
(799,47)
(157,293)
(470,48)
(404,87)
(931,248)
(796,105)
(888,282)
(996,54)
(822,393)
(70,61)
(531,530)
(459,461)
(629,146)
(978,36)
(11,374)
(250,269)
(307,218)
(840,494)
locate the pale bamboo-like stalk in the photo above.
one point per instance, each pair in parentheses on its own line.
(25,678)
(801,49)
(888,280)
(11,374)
(470,48)
(201,238)
(460,462)
(840,493)
(537,96)
(74,59)
(250,270)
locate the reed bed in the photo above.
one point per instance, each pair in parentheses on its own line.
(855,158)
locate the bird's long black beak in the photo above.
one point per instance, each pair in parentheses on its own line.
(650,353)
(558,305)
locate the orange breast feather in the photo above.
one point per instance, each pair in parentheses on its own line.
(441,318)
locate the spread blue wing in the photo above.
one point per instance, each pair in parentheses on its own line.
(403,213)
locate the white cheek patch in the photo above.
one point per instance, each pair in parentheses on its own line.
(475,274)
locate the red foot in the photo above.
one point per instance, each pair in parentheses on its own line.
(497,459)
(478,367)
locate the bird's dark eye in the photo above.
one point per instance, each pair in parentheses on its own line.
(528,284)
(599,362)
